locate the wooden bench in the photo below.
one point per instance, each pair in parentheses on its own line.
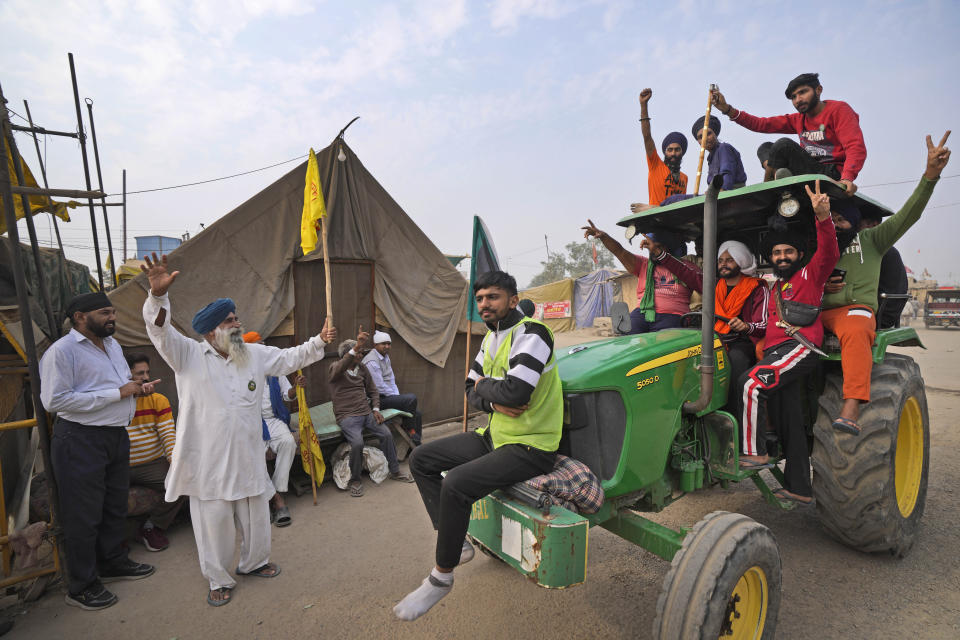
(329,434)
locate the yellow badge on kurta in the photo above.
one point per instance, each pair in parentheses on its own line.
(252,385)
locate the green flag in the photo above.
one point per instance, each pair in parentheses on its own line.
(484,259)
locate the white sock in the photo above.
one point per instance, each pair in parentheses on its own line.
(419,601)
(466,552)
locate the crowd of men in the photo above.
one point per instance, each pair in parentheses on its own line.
(113,429)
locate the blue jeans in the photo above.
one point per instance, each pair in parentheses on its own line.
(639,324)
(353,428)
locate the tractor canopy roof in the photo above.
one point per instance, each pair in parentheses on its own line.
(744,214)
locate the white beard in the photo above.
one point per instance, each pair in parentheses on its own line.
(230,342)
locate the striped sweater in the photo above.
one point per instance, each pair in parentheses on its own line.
(152,431)
(530,351)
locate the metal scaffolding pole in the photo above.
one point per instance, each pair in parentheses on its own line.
(29,341)
(124,215)
(46,185)
(86,169)
(106,221)
(52,326)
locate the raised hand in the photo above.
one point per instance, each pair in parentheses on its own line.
(645,96)
(937,157)
(156,270)
(820,202)
(363,339)
(329,332)
(592,230)
(720,102)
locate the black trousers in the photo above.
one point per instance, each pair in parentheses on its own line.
(92,467)
(742,355)
(406,402)
(773,388)
(474,469)
(789,154)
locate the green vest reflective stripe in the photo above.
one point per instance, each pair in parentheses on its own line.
(541,424)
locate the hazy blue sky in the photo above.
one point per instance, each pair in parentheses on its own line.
(523,111)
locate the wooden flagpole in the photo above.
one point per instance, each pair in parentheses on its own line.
(703,138)
(326,272)
(466,370)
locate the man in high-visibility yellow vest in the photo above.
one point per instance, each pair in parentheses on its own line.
(514,378)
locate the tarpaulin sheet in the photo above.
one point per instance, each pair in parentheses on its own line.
(593,295)
(247,255)
(560,291)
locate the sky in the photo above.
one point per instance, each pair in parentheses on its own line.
(521,111)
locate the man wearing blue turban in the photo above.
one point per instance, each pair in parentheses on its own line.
(664,178)
(218,457)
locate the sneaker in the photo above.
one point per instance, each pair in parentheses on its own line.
(92,598)
(466,552)
(400,476)
(152,538)
(126,570)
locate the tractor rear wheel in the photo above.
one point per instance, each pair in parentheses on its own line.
(723,583)
(871,488)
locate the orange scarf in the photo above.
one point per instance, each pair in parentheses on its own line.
(730,304)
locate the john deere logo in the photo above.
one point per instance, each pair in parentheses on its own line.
(252,385)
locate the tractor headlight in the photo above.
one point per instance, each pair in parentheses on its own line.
(630,232)
(789,206)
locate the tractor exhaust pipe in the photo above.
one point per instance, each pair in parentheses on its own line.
(709,286)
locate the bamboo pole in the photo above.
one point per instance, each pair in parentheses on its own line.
(326,272)
(466,369)
(703,139)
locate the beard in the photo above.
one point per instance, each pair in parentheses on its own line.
(230,342)
(673,163)
(104,330)
(805,107)
(727,272)
(785,269)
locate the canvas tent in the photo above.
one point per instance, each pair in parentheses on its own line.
(384,269)
(573,303)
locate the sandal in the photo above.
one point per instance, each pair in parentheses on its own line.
(262,572)
(847,426)
(750,465)
(225,596)
(783,494)
(282,517)
(356,489)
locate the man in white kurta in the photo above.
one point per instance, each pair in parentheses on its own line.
(218,458)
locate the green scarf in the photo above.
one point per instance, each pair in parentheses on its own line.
(647,304)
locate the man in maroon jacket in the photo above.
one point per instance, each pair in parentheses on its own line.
(831,141)
(788,358)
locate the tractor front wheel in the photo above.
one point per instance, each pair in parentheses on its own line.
(723,583)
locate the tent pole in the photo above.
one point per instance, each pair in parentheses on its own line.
(466,372)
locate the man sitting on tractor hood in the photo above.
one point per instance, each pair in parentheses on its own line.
(663,295)
(850,303)
(789,354)
(514,379)
(831,141)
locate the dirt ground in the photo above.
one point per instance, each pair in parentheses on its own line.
(347,561)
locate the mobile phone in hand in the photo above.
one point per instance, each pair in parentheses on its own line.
(838,273)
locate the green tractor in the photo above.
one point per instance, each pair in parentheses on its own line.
(644,413)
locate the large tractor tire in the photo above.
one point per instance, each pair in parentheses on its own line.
(871,488)
(723,583)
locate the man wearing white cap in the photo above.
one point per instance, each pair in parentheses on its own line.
(380,368)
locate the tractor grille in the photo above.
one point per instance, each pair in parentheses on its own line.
(594,425)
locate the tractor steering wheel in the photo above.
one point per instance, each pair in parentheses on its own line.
(693,314)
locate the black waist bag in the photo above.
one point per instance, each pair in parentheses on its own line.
(799,314)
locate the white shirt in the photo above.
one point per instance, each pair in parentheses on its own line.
(81,382)
(381,371)
(219,452)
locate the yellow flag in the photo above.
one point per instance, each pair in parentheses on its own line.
(310,453)
(313,207)
(37,203)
